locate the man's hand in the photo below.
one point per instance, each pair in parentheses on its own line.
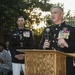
(62,42)
(46,44)
(19,56)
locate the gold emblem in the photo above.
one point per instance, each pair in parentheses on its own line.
(15,34)
(21,44)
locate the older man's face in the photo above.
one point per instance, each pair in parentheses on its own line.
(56,15)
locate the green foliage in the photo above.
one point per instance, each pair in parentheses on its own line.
(10,9)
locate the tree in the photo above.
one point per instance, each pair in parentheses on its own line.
(9,11)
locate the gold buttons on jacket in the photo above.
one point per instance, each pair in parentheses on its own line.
(56,28)
(53,41)
(54,35)
(20,31)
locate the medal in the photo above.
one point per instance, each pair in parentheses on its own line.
(64,33)
(26,34)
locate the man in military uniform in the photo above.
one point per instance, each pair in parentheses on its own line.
(20,38)
(59,37)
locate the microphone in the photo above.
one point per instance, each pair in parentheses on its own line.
(47,33)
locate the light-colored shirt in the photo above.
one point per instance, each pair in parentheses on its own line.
(6,59)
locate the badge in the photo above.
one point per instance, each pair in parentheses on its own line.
(26,34)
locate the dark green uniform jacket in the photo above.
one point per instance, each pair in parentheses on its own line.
(61,31)
(20,39)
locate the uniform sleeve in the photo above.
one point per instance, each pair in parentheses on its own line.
(71,42)
(11,45)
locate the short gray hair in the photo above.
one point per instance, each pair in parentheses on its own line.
(58,8)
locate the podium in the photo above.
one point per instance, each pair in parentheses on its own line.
(45,62)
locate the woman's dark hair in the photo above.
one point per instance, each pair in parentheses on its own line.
(3,45)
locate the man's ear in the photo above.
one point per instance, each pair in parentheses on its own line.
(62,14)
